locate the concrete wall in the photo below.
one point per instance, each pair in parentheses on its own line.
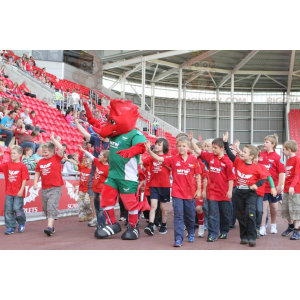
(52,67)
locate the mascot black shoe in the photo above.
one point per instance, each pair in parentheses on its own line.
(104,231)
(132,233)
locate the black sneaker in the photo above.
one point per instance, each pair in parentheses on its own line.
(149,230)
(287,232)
(252,243)
(163,230)
(132,233)
(222,236)
(244,241)
(49,231)
(211,239)
(296,235)
(107,230)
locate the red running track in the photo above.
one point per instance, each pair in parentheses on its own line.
(73,235)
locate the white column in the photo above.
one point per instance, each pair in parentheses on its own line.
(179,98)
(218,112)
(143,82)
(288,108)
(123,87)
(184,108)
(232,109)
(153,98)
(252,115)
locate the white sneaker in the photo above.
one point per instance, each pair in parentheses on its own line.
(262,231)
(201,231)
(93,222)
(273,228)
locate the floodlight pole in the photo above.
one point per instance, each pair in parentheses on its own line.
(179,98)
(184,108)
(218,113)
(153,98)
(143,83)
(252,116)
(232,109)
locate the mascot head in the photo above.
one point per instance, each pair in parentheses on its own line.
(121,119)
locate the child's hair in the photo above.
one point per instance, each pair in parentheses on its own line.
(253,150)
(200,145)
(17,148)
(28,149)
(261,147)
(165,144)
(183,139)
(65,145)
(219,142)
(87,158)
(292,145)
(181,134)
(106,154)
(49,146)
(35,133)
(273,138)
(208,141)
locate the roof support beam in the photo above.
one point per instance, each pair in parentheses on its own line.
(255,81)
(290,78)
(242,79)
(145,58)
(237,67)
(275,80)
(194,77)
(212,81)
(155,71)
(165,74)
(197,58)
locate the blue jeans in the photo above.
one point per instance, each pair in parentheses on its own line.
(205,210)
(219,217)
(233,219)
(91,193)
(76,106)
(259,211)
(9,136)
(100,215)
(34,146)
(184,213)
(13,211)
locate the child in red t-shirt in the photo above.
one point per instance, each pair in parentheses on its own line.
(101,173)
(159,186)
(291,193)
(49,169)
(219,189)
(85,212)
(184,191)
(16,175)
(273,162)
(249,177)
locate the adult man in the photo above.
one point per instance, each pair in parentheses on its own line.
(6,127)
(28,122)
(75,99)
(25,90)
(155,126)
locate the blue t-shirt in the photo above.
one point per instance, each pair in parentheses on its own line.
(98,145)
(7,122)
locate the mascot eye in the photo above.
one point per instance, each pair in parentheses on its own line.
(112,122)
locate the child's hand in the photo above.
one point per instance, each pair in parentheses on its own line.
(204,194)
(197,194)
(225,137)
(273,192)
(147,146)
(191,136)
(52,136)
(291,191)
(36,160)
(253,187)
(65,156)
(229,195)
(278,189)
(35,186)
(236,144)
(20,194)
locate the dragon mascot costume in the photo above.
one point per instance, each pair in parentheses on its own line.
(125,146)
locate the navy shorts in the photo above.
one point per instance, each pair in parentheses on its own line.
(271,199)
(160,193)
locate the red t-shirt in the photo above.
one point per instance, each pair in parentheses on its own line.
(292,169)
(183,173)
(261,190)
(28,67)
(160,174)
(24,88)
(220,172)
(84,178)
(274,164)
(14,174)
(50,170)
(101,173)
(57,85)
(247,175)
(148,178)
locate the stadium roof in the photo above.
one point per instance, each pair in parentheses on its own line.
(261,70)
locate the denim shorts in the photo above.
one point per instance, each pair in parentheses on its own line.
(271,199)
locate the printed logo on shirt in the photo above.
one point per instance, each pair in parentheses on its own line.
(126,190)
(46,169)
(267,167)
(260,159)
(288,170)
(114,144)
(191,165)
(223,165)
(84,176)
(178,164)
(243,175)
(124,138)
(32,193)
(72,190)
(212,161)
(98,173)
(183,172)
(271,160)
(12,176)
(216,170)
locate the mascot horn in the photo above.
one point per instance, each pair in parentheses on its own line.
(125,146)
